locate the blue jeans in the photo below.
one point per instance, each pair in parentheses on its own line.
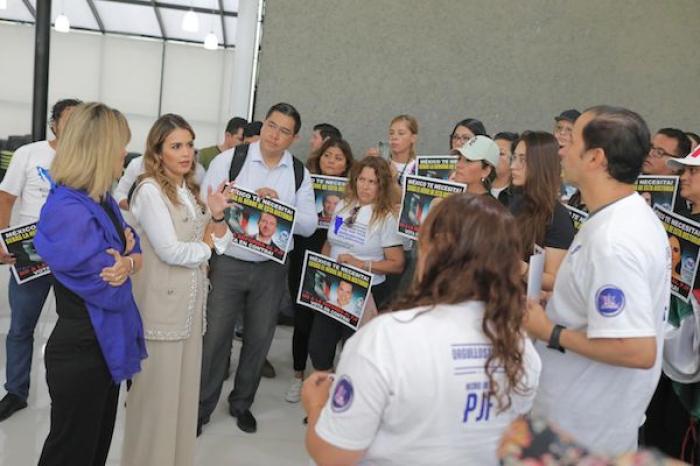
(26,302)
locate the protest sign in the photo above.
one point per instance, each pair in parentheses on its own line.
(436,166)
(337,290)
(658,190)
(19,241)
(261,225)
(684,240)
(328,190)
(419,195)
(577,216)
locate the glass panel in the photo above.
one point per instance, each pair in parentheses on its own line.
(135,19)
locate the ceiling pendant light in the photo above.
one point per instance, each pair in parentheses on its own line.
(3,4)
(61,23)
(190,22)
(211,42)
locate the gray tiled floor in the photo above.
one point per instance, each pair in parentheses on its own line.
(279,440)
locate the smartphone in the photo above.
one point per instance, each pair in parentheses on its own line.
(383,149)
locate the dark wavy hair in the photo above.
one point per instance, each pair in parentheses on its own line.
(313,163)
(469,249)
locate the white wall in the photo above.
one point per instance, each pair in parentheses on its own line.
(122,72)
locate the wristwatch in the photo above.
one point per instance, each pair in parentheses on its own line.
(554,339)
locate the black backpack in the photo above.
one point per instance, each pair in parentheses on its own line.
(240,154)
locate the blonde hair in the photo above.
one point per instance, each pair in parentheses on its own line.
(153,160)
(90,148)
(412,124)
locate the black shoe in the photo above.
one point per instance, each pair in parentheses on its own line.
(268,371)
(10,404)
(246,422)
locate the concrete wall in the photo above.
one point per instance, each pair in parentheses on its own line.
(512,63)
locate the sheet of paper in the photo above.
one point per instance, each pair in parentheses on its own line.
(534,274)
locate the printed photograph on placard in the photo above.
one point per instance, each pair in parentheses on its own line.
(577,216)
(436,166)
(261,225)
(684,241)
(420,194)
(658,190)
(19,241)
(336,290)
(328,191)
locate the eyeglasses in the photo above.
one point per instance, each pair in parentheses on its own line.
(350,221)
(284,131)
(658,152)
(517,158)
(462,138)
(563,129)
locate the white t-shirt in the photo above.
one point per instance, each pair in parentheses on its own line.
(24,180)
(363,241)
(613,283)
(410,388)
(135,169)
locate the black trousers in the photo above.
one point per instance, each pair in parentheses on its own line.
(326,332)
(83,397)
(303,316)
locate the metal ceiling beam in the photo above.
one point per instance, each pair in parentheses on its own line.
(223,22)
(115,33)
(174,6)
(159,18)
(31,9)
(96,14)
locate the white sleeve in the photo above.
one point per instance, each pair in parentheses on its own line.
(16,174)
(199,173)
(390,232)
(132,171)
(618,303)
(150,211)
(306,220)
(358,397)
(217,172)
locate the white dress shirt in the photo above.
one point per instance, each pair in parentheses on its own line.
(255,174)
(150,211)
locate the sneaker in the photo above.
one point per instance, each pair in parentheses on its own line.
(294,391)
(10,404)
(268,371)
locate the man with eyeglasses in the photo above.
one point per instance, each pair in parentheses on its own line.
(565,125)
(667,143)
(246,283)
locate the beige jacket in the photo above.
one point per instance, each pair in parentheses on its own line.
(169,296)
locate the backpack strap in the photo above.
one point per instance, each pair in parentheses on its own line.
(298,173)
(239,156)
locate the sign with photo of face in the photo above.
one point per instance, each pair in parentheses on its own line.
(261,225)
(328,191)
(19,241)
(337,290)
(436,166)
(420,194)
(684,241)
(658,190)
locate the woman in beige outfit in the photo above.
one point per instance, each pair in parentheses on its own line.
(177,234)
